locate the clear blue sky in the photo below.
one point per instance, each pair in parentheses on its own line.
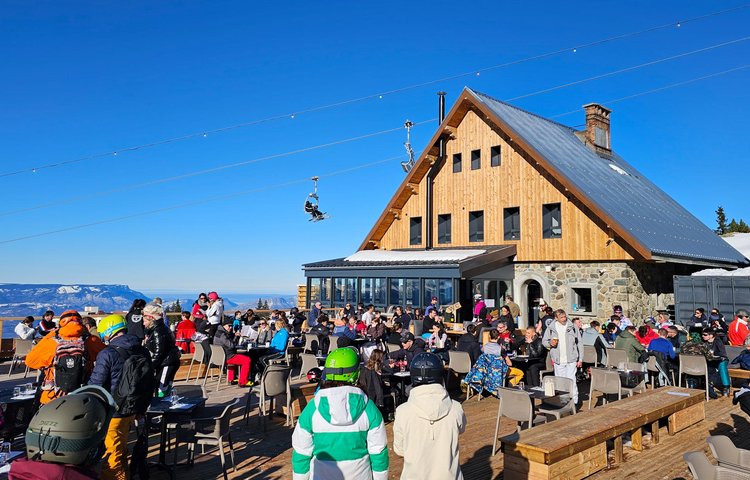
(82,78)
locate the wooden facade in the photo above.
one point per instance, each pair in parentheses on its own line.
(518,181)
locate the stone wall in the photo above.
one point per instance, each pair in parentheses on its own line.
(641,288)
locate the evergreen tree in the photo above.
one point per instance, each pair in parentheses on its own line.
(743,227)
(176,307)
(733,226)
(721,221)
(260,304)
(265,305)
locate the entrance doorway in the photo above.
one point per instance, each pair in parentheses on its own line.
(533,294)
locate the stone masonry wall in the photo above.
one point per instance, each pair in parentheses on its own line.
(640,288)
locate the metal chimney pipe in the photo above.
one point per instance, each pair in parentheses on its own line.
(441,107)
(431,177)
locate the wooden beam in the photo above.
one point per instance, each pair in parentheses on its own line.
(414,187)
(636,439)
(450,131)
(655,433)
(396,212)
(618,449)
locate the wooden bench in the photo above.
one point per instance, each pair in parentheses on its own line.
(575,447)
(739,373)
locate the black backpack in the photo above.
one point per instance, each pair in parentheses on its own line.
(136,386)
(70,363)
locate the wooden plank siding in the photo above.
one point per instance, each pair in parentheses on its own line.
(517,182)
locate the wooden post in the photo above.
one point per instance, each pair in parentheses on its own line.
(655,433)
(636,438)
(618,449)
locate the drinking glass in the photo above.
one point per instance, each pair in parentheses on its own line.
(174,399)
(521,385)
(4,452)
(28,388)
(16,391)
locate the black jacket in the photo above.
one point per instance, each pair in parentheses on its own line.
(160,342)
(134,320)
(226,341)
(468,343)
(373,385)
(535,350)
(408,355)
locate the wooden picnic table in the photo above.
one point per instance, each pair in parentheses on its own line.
(575,447)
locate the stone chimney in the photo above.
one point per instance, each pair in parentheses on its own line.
(596,134)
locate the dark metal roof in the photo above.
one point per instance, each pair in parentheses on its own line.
(654,218)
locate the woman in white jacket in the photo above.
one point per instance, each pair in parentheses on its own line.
(427,426)
(214,313)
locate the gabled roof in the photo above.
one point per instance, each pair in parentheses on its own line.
(636,210)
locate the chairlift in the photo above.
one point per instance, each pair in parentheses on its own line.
(311,204)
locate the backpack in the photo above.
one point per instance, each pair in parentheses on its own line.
(136,386)
(70,363)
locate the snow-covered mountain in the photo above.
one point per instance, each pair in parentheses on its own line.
(18,299)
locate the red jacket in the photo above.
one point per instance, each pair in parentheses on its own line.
(651,335)
(24,469)
(185,331)
(738,332)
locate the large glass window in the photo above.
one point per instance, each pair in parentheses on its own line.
(345,290)
(415,231)
(444,228)
(476,226)
(551,221)
(373,291)
(320,290)
(405,291)
(512,223)
(438,287)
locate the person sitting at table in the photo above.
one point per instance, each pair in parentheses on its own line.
(400,316)
(265,334)
(46,324)
(376,330)
(506,317)
(488,373)
(394,336)
(356,325)
(25,329)
(666,355)
(743,359)
(493,347)
(227,340)
(341,329)
(430,320)
(321,328)
(645,334)
(438,342)
(184,334)
(536,352)
(371,381)
(469,343)
(506,337)
(410,346)
(278,346)
(611,332)
(592,337)
(626,341)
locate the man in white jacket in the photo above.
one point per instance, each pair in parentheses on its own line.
(427,426)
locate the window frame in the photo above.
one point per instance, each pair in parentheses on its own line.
(496,156)
(443,237)
(476,159)
(415,240)
(457,163)
(476,217)
(548,228)
(575,296)
(510,213)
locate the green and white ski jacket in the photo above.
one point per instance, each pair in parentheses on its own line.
(340,435)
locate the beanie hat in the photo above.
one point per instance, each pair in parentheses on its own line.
(213,296)
(153,311)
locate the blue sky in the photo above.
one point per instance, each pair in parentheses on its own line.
(81,78)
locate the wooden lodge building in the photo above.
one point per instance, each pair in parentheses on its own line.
(505,201)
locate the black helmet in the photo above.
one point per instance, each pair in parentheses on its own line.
(426,368)
(71,429)
(314,375)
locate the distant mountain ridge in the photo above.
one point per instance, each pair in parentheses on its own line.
(21,299)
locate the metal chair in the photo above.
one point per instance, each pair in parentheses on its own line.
(694,365)
(212,430)
(184,390)
(460,364)
(392,347)
(308,361)
(702,469)
(516,405)
(589,355)
(641,387)
(332,343)
(21,348)
(198,356)
(557,410)
(606,382)
(312,344)
(616,356)
(275,382)
(727,454)
(218,359)
(549,367)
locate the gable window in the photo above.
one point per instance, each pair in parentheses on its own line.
(476,226)
(495,153)
(456,162)
(415,231)
(551,221)
(444,228)
(476,159)
(512,223)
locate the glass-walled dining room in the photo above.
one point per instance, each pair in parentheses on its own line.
(380,291)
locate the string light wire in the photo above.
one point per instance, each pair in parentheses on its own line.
(379,95)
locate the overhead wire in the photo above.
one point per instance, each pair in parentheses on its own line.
(292,114)
(199,202)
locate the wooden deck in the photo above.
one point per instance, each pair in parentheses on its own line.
(268,456)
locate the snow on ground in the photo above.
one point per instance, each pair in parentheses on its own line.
(741,242)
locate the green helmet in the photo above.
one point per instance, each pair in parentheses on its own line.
(342,365)
(71,429)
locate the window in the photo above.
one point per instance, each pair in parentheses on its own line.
(444,228)
(438,287)
(415,231)
(405,291)
(373,291)
(476,159)
(551,223)
(495,153)
(456,162)
(476,226)
(601,137)
(512,223)
(320,289)
(581,300)
(344,290)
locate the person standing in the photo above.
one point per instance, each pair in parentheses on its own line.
(135,318)
(107,374)
(198,310)
(340,433)
(480,308)
(515,310)
(427,426)
(565,349)
(432,306)
(214,313)
(369,315)
(165,356)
